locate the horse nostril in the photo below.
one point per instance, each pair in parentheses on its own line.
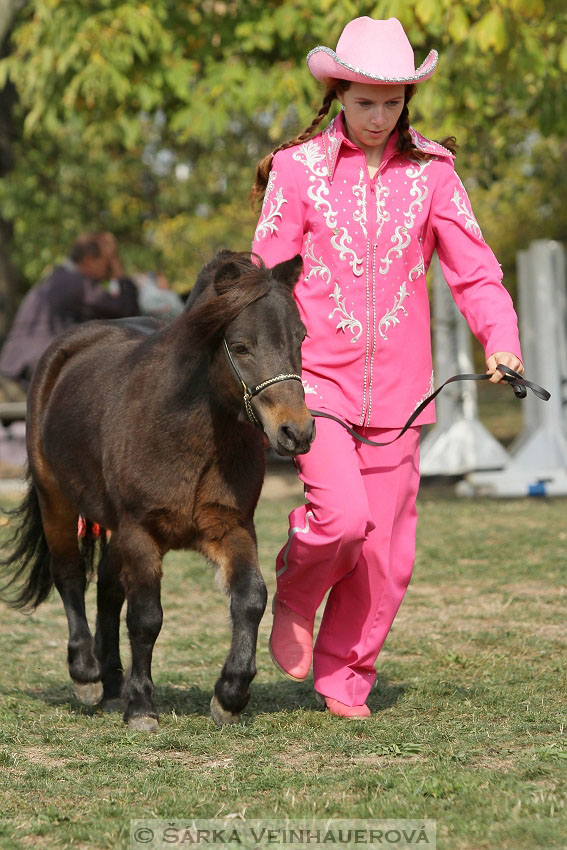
(287,436)
(295,438)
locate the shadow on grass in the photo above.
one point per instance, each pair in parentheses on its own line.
(266,698)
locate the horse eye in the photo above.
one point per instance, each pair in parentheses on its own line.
(239,348)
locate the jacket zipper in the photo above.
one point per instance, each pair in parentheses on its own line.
(371,248)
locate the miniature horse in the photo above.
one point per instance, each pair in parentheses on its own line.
(140,427)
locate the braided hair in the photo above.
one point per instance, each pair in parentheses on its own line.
(265,165)
(335,87)
(405,142)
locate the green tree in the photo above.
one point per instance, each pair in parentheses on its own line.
(8,275)
(147,118)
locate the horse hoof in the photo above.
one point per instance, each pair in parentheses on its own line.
(111,705)
(220,715)
(89,693)
(144,723)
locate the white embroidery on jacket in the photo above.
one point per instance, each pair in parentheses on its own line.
(428,392)
(332,144)
(433,148)
(356,263)
(310,154)
(391,318)
(462,209)
(268,223)
(269,186)
(417,191)
(348,321)
(308,389)
(419,142)
(321,203)
(402,239)
(320,269)
(359,192)
(417,270)
(382,214)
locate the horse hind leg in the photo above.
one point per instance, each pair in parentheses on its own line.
(141,578)
(237,557)
(68,569)
(110,599)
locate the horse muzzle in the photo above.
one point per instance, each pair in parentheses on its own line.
(293,437)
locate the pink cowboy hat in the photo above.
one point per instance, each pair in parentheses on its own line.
(371,51)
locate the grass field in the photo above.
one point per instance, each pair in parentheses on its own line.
(468,724)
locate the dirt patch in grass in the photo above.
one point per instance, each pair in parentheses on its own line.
(552,631)
(188,760)
(36,755)
(494,763)
(303,761)
(377,761)
(523,606)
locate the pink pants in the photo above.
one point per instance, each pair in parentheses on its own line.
(355,535)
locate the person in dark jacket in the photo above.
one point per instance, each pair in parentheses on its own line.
(73,292)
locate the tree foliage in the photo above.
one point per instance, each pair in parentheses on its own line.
(147,118)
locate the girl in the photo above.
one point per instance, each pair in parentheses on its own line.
(366,203)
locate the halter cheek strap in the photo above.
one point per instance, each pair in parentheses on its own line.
(250,392)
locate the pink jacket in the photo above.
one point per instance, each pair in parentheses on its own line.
(366,247)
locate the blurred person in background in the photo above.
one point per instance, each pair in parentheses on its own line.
(155,296)
(89,284)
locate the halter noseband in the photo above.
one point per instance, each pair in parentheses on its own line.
(249,393)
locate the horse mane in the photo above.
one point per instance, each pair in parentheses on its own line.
(225,286)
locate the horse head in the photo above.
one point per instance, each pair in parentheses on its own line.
(263,348)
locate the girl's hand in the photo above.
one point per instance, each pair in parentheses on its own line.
(507,359)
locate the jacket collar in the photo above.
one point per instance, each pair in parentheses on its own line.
(334,137)
(428,146)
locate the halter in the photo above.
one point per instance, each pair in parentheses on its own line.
(249,393)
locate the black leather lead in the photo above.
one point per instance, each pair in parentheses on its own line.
(519,384)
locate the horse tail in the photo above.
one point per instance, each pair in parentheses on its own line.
(30,556)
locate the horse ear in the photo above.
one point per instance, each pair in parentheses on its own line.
(289,271)
(225,276)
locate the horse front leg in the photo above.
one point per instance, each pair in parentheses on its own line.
(237,557)
(141,579)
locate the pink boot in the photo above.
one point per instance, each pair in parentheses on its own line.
(351,712)
(291,642)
